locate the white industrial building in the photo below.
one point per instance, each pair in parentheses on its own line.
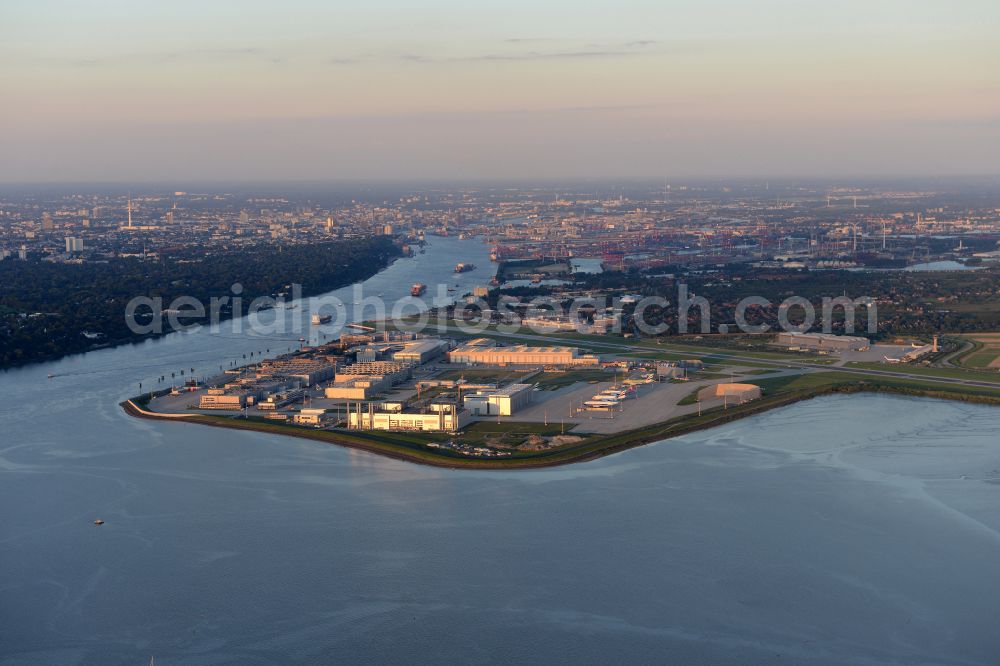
(223,401)
(310,416)
(357,388)
(505,401)
(736,393)
(420,351)
(443,420)
(822,342)
(560,322)
(394,371)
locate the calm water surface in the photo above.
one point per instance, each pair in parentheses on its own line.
(847,529)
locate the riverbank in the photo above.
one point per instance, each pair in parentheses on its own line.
(412,447)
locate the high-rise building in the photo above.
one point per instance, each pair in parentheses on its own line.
(74,244)
(47,224)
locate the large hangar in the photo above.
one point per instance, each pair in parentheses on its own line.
(822,341)
(738,393)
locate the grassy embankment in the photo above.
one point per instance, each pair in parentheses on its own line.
(929,371)
(984,349)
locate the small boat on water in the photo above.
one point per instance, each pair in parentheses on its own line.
(98,522)
(51,375)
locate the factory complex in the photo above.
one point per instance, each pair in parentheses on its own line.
(381,381)
(404,382)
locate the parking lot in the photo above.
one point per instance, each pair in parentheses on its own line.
(653,403)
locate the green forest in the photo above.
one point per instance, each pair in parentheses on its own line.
(46,308)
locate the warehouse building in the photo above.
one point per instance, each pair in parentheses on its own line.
(543,323)
(551,322)
(668,370)
(280,399)
(505,401)
(310,416)
(474,354)
(223,401)
(393,371)
(444,420)
(822,342)
(357,388)
(420,351)
(308,371)
(370,355)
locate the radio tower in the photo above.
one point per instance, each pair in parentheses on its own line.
(129,210)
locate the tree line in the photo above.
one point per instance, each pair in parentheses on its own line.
(50,309)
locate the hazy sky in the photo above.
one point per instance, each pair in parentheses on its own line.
(131,90)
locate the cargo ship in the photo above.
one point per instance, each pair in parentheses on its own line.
(418,289)
(463,268)
(321,319)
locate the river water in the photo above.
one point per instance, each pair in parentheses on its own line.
(861,529)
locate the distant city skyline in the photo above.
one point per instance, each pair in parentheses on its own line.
(229,91)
